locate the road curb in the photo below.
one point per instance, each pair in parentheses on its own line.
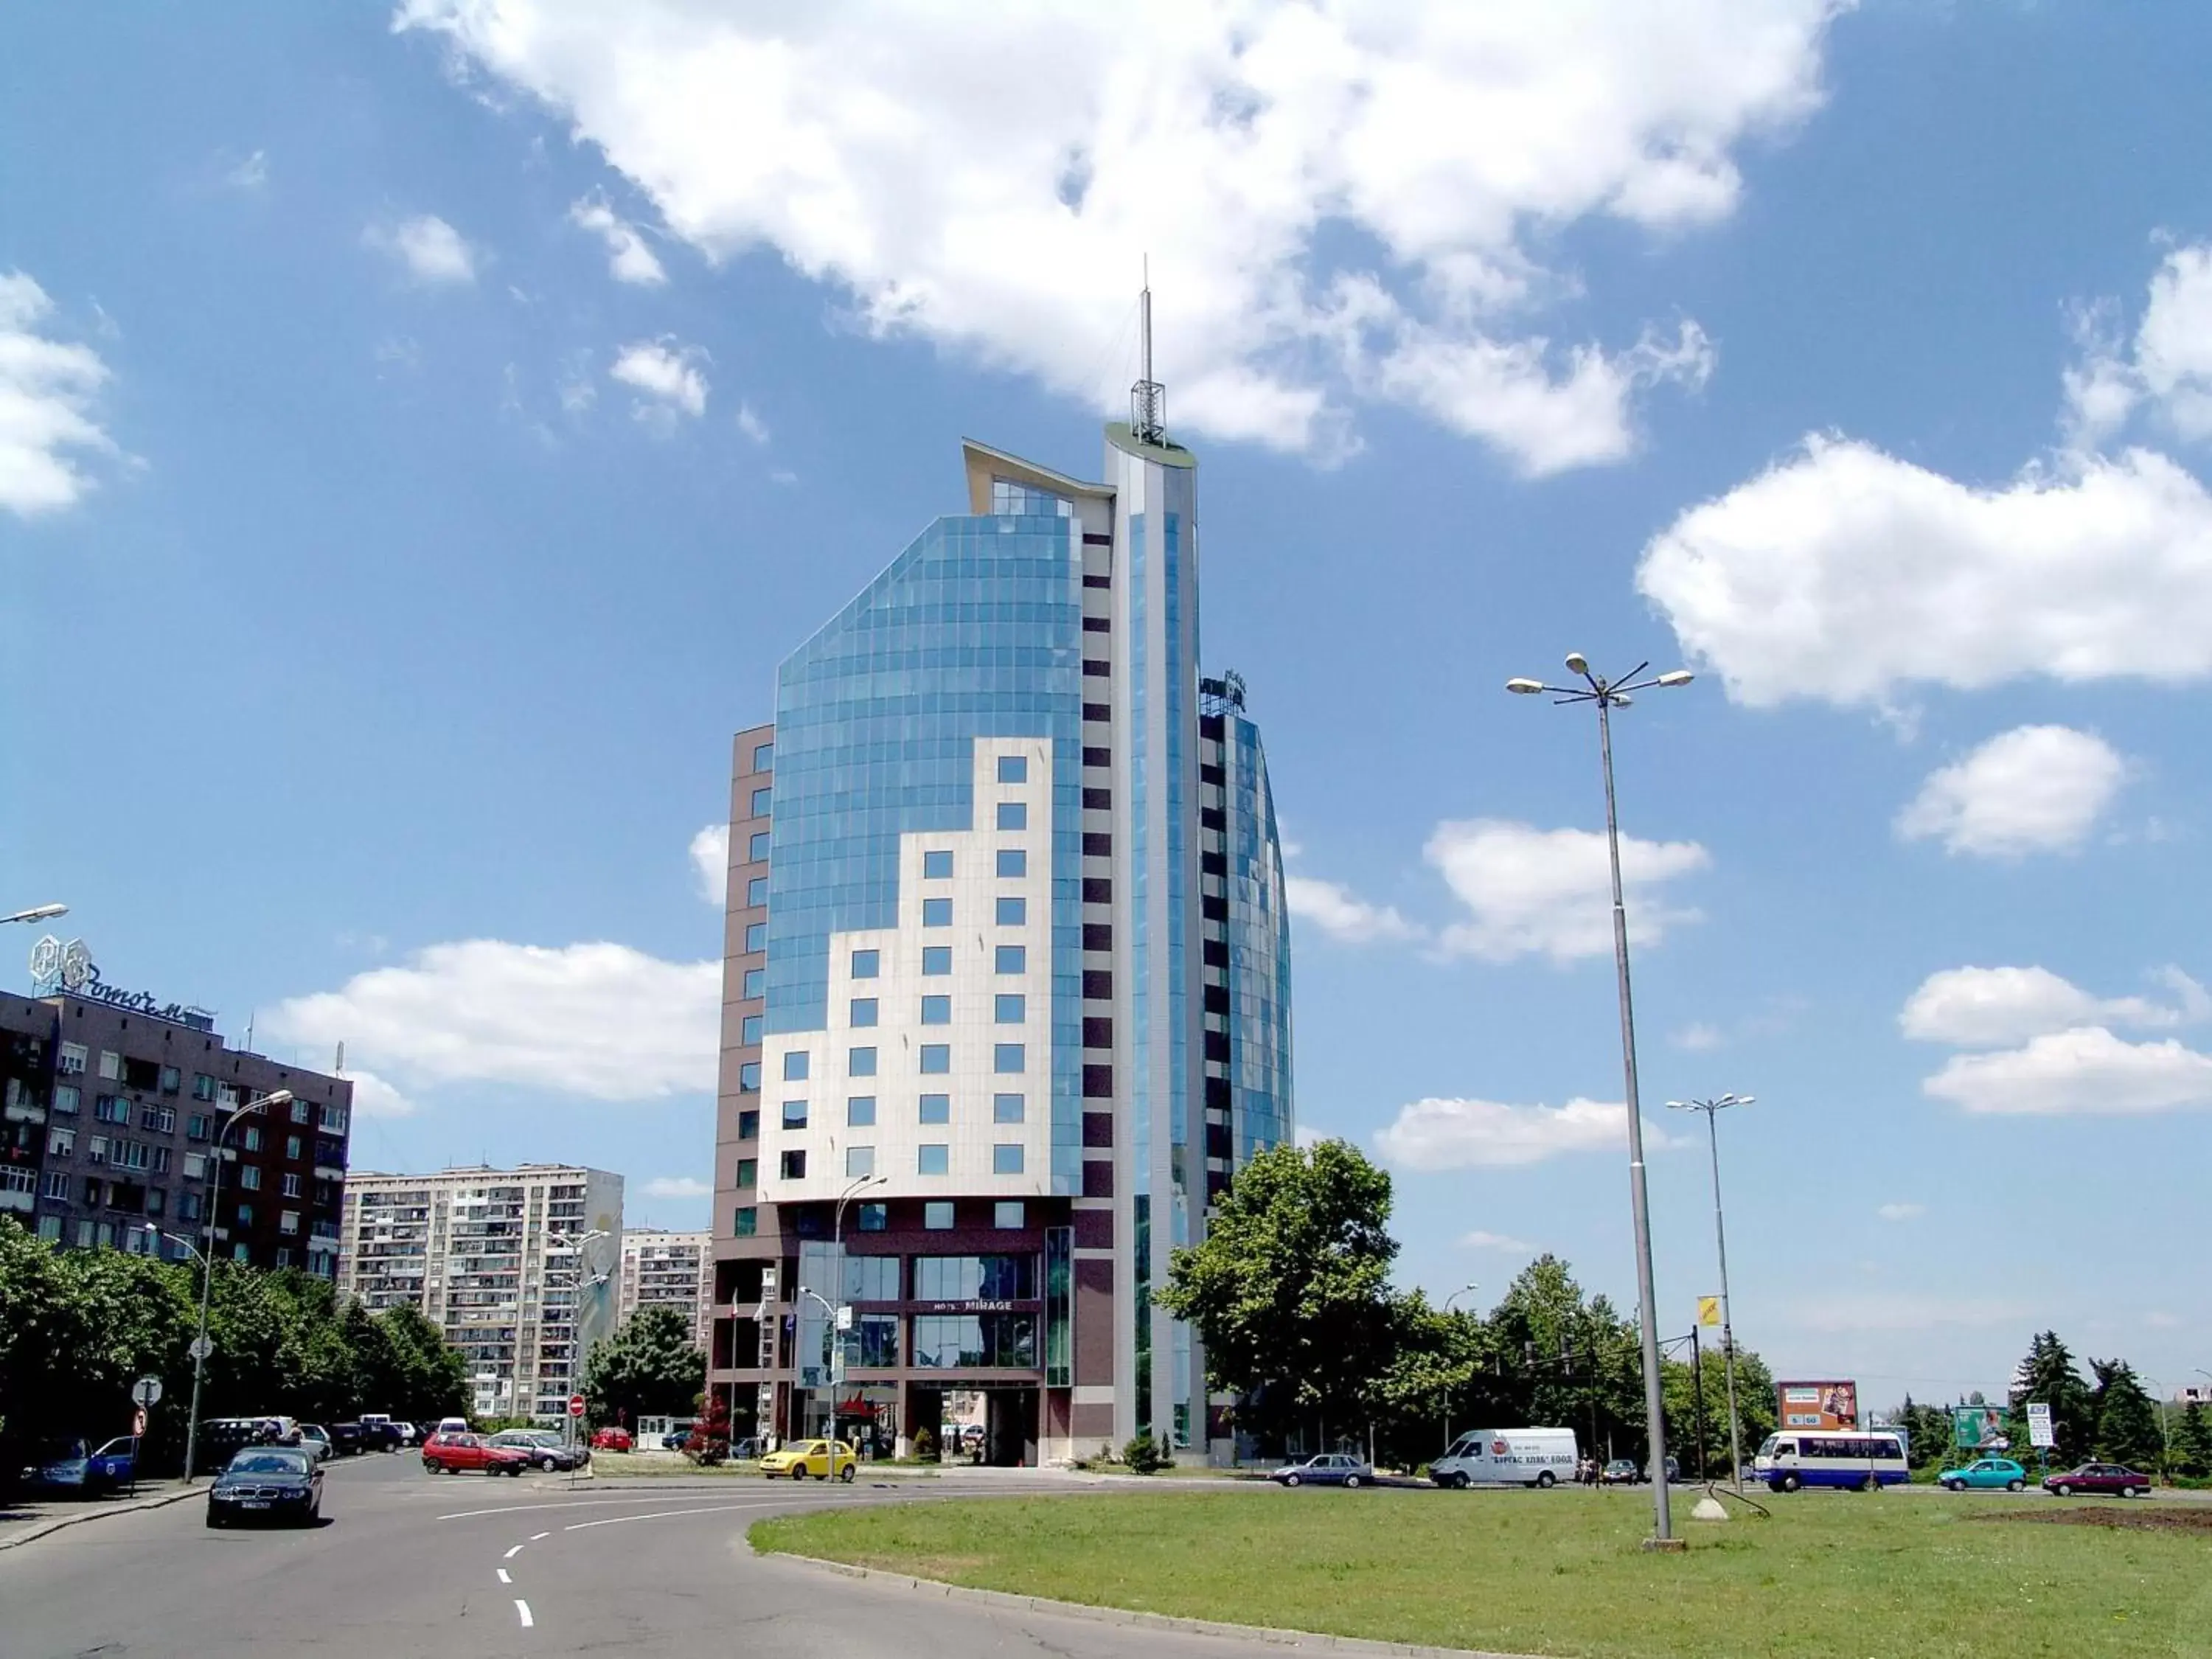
(137,1506)
(1131,1618)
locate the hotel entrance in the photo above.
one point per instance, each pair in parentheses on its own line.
(991,1423)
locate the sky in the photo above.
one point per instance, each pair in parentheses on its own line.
(423,432)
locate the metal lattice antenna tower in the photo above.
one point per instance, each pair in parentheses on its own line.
(1148,398)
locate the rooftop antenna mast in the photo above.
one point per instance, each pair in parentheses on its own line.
(1148,398)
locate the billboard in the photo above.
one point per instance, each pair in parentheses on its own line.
(1978,1428)
(1826,1405)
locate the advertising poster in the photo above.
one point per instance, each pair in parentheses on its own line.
(1978,1428)
(1822,1405)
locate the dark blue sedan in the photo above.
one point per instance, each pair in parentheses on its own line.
(267,1483)
(1328,1469)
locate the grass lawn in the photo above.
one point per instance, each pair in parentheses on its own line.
(1833,1576)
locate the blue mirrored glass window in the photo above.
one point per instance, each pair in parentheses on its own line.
(933,1158)
(1013,815)
(936,959)
(863,1012)
(936,1057)
(1013,768)
(1009,1059)
(860,1112)
(1007,1158)
(1007,1010)
(936,866)
(1006,1109)
(794,1066)
(761,800)
(1012,912)
(937,1010)
(936,1109)
(860,1063)
(794,1115)
(866,964)
(937,912)
(1010,959)
(1014,861)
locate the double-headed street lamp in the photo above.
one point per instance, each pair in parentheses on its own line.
(1609,695)
(1712,1108)
(269,1102)
(38,913)
(832,1372)
(575,1276)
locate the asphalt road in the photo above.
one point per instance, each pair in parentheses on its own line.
(469,1567)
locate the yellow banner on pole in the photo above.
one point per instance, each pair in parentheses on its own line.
(1709,1310)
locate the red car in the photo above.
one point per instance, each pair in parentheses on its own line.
(449,1453)
(610,1439)
(2114,1477)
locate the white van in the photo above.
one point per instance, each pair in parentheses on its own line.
(1507,1457)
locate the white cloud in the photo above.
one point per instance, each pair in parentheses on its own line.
(2167,367)
(677,1187)
(1902,1212)
(374,1098)
(710,856)
(1991,1007)
(1549,892)
(46,392)
(598,1020)
(1334,909)
(2034,789)
(1466,1134)
(749,424)
(875,151)
(432,250)
(252,174)
(628,257)
(669,376)
(1505,1242)
(2086,1071)
(1306,1138)
(1698,1038)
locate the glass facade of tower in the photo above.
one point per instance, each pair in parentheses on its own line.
(1258,948)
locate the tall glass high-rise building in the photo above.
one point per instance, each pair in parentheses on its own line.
(1007,984)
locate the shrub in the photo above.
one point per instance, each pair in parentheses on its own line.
(708,1443)
(925,1446)
(1145,1456)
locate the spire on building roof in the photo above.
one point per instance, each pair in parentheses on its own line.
(1148,398)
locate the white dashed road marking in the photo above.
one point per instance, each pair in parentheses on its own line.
(503,1578)
(535,1536)
(516,1551)
(522,1611)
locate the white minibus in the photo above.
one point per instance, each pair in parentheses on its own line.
(1861,1460)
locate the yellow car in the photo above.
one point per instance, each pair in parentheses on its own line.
(803,1458)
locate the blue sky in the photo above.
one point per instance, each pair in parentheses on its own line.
(422,435)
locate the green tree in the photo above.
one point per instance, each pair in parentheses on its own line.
(2192,1442)
(1558,1360)
(2127,1418)
(1432,1356)
(2048,1374)
(1754,1395)
(431,1376)
(1289,1290)
(649,1368)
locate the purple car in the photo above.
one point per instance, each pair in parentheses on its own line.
(2115,1479)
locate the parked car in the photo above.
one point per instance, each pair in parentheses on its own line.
(2117,1479)
(1325,1469)
(267,1483)
(450,1454)
(674,1439)
(378,1432)
(73,1465)
(450,1425)
(746,1448)
(541,1447)
(1674,1473)
(1622,1472)
(409,1434)
(315,1441)
(222,1438)
(348,1439)
(1985,1474)
(815,1457)
(610,1438)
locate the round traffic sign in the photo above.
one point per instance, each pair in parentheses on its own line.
(575,1404)
(202,1347)
(147,1391)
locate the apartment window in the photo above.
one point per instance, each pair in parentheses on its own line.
(188,1206)
(1014,861)
(1007,1158)
(291,1185)
(50,1228)
(1013,815)
(1009,1059)
(112,1108)
(1008,1009)
(57,1187)
(245,1219)
(937,1010)
(84,1235)
(1008,1216)
(749,1125)
(874,1219)
(301,1111)
(1012,912)
(757,849)
(794,1165)
(866,964)
(334,1117)
(249,1177)
(860,1112)
(66,1098)
(794,1066)
(198,1125)
(162,1120)
(755,938)
(156,1200)
(288,1221)
(937,912)
(196,1166)
(749,1077)
(284,1256)
(202,1086)
(1010,959)
(160,1160)
(252,1137)
(859,1161)
(763,757)
(936,1057)
(746,1222)
(862,1012)
(1013,768)
(756,891)
(292,1148)
(764,799)
(936,867)
(859,1063)
(794,1115)
(172,1079)
(748,1172)
(936,960)
(937,1108)
(111,1065)
(95,1152)
(754,986)
(1006,1109)
(933,1158)
(133,1154)
(72,1063)
(61,1143)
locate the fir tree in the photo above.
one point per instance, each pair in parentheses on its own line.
(2047,1376)
(2127,1418)
(2192,1442)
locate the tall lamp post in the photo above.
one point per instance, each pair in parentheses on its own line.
(1464,1289)
(1712,1109)
(575,1275)
(833,1371)
(1609,695)
(266,1103)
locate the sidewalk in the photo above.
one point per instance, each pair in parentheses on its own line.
(23,1520)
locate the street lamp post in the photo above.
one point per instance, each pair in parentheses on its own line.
(38,913)
(281,1097)
(575,1277)
(1609,695)
(1712,1108)
(1464,1289)
(837,1266)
